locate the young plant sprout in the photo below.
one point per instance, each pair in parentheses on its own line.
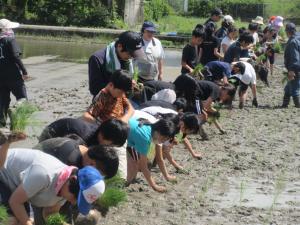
(112,197)
(3,215)
(56,219)
(197,72)
(285,78)
(20,116)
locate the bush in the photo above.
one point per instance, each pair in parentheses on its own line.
(156,9)
(3,215)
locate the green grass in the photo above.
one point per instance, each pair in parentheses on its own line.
(56,219)
(20,116)
(185,24)
(3,215)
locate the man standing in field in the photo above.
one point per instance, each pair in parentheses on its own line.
(292,64)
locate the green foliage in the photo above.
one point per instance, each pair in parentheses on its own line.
(277,47)
(20,116)
(262,58)
(3,215)
(156,9)
(56,219)
(197,72)
(285,78)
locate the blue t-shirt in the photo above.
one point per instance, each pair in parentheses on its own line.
(139,137)
(219,69)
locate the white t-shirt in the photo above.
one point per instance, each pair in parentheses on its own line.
(249,77)
(167,95)
(36,171)
(154,52)
(226,41)
(255,38)
(155,110)
(141,114)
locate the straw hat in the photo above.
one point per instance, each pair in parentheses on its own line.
(258,20)
(7,24)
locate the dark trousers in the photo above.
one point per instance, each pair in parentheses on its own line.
(17,88)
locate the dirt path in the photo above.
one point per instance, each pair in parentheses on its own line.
(251,175)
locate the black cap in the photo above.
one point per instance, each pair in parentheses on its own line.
(217,12)
(290,27)
(149,26)
(132,43)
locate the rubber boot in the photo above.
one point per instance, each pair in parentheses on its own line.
(286,101)
(296,100)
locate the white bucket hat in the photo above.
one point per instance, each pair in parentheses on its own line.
(228,18)
(7,24)
(258,20)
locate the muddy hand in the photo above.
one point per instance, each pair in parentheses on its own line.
(16,136)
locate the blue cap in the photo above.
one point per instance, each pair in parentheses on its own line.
(92,185)
(149,26)
(290,27)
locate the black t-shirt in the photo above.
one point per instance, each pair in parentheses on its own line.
(160,103)
(11,66)
(211,21)
(66,126)
(154,86)
(208,46)
(64,149)
(189,56)
(208,89)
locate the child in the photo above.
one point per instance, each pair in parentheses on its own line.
(140,137)
(189,53)
(111,101)
(230,38)
(31,176)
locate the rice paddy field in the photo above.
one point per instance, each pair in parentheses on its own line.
(250,175)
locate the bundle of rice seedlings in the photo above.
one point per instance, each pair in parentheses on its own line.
(3,215)
(20,116)
(285,78)
(197,72)
(261,59)
(277,47)
(56,219)
(112,197)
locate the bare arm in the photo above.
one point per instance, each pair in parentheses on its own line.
(224,48)
(3,153)
(160,71)
(87,116)
(16,202)
(167,154)
(189,147)
(144,169)
(185,65)
(217,53)
(253,89)
(47,211)
(208,104)
(161,164)
(129,113)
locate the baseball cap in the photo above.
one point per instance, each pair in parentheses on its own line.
(278,21)
(149,26)
(290,27)
(132,43)
(228,19)
(217,12)
(92,185)
(7,24)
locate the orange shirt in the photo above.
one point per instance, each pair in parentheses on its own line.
(105,106)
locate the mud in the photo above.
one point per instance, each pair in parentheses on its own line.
(250,175)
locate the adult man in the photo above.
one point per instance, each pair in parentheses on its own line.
(246,73)
(117,55)
(215,17)
(292,64)
(150,68)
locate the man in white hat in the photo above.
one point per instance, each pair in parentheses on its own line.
(13,72)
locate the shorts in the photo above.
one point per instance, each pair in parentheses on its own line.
(243,87)
(121,152)
(133,153)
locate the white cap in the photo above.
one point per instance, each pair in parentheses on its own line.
(278,21)
(7,24)
(228,18)
(166,95)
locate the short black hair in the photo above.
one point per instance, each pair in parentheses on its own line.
(191,121)
(210,28)
(165,127)
(198,33)
(246,37)
(180,104)
(242,30)
(241,66)
(106,159)
(114,130)
(74,187)
(253,27)
(200,27)
(216,12)
(231,29)
(121,80)
(230,90)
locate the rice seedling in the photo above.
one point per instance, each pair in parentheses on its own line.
(56,219)
(285,78)
(115,182)
(208,184)
(242,190)
(112,197)
(277,47)
(3,215)
(20,116)
(197,72)
(262,58)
